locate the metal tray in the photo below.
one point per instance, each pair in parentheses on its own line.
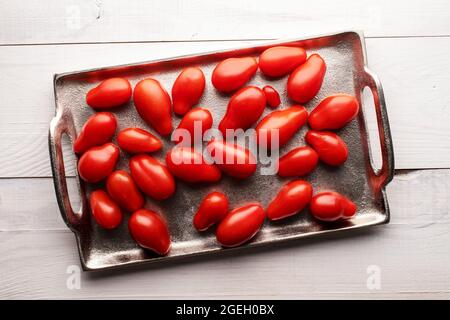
(347,72)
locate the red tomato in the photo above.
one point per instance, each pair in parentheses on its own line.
(213,208)
(137,140)
(122,188)
(244,109)
(334,112)
(305,82)
(150,231)
(198,115)
(281,60)
(332,206)
(331,149)
(291,199)
(152,177)
(104,210)
(232,73)
(189,165)
(234,160)
(298,162)
(287,122)
(97,130)
(272,96)
(240,225)
(187,89)
(98,162)
(110,93)
(153,105)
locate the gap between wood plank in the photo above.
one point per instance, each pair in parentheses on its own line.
(196,41)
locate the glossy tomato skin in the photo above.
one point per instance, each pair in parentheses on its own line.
(298,162)
(189,165)
(331,149)
(304,82)
(332,206)
(240,225)
(110,93)
(213,208)
(98,162)
(153,104)
(187,89)
(98,129)
(200,115)
(334,112)
(150,231)
(137,140)
(272,96)
(232,73)
(287,122)
(281,60)
(232,159)
(105,211)
(122,188)
(244,109)
(291,199)
(152,177)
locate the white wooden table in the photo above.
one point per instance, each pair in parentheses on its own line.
(408,46)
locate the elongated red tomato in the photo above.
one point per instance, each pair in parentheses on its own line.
(298,162)
(213,208)
(244,109)
(137,140)
(194,123)
(331,149)
(332,206)
(122,188)
(272,96)
(152,177)
(153,105)
(97,130)
(110,93)
(232,159)
(281,60)
(291,199)
(189,165)
(334,112)
(187,90)
(98,162)
(232,73)
(240,225)
(104,210)
(286,122)
(150,231)
(304,82)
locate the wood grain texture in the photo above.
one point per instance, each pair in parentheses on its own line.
(34,22)
(411,252)
(418,108)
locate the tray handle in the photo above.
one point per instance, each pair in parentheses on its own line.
(386,173)
(63,124)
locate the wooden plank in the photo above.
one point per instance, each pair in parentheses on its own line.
(411,253)
(417,107)
(87,21)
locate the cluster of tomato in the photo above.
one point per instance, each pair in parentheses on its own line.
(155,179)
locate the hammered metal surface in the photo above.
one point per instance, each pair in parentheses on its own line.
(346,73)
